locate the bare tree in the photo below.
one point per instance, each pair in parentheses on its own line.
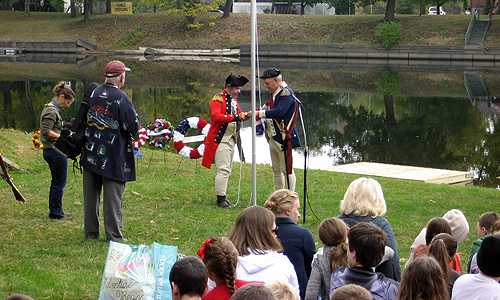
(72,8)
(390,9)
(27,8)
(227,8)
(86,11)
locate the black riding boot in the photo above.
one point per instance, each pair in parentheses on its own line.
(223,202)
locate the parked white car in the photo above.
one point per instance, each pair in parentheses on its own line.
(433,11)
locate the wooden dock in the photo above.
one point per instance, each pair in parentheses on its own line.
(428,175)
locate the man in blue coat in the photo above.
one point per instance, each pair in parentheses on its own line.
(108,157)
(280,130)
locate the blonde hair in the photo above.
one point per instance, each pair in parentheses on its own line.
(351,292)
(283,290)
(364,197)
(333,233)
(221,258)
(281,201)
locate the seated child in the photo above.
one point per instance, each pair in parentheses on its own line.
(459,228)
(333,234)
(283,290)
(484,224)
(221,259)
(366,249)
(254,291)
(423,280)
(495,230)
(351,292)
(188,278)
(485,284)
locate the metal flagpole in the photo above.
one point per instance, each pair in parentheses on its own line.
(253,19)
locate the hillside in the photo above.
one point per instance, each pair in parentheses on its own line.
(168,31)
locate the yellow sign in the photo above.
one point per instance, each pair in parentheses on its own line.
(128,92)
(121,8)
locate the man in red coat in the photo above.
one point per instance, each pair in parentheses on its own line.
(226,116)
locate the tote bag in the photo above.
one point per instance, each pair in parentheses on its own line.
(137,272)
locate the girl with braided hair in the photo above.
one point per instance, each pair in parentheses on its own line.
(221,259)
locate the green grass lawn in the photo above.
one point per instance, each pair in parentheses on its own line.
(173,203)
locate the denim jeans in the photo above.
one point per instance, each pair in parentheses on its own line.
(59,169)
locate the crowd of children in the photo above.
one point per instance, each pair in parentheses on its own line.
(266,255)
(271,257)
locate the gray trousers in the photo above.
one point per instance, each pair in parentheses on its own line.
(112,202)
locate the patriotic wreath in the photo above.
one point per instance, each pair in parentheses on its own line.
(159,133)
(180,131)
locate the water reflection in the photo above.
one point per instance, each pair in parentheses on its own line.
(417,119)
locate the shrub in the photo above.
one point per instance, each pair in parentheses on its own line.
(389,33)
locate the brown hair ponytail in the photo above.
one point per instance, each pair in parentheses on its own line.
(333,232)
(221,258)
(62,89)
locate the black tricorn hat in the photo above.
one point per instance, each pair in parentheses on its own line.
(236,80)
(270,73)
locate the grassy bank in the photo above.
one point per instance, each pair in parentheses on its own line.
(173,203)
(168,31)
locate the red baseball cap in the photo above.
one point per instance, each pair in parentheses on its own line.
(115,68)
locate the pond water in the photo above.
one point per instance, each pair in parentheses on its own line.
(419,116)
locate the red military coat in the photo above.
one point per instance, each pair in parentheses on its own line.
(220,114)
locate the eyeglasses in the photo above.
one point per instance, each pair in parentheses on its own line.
(275,230)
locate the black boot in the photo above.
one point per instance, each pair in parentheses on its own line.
(223,202)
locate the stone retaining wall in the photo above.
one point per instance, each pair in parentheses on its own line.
(79,45)
(331,51)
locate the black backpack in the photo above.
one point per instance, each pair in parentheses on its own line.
(70,142)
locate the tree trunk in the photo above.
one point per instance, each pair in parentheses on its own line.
(389,10)
(108,6)
(227,8)
(86,11)
(302,7)
(27,86)
(73,9)
(27,8)
(389,109)
(422,8)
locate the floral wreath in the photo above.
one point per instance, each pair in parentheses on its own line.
(180,131)
(36,140)
(159,132)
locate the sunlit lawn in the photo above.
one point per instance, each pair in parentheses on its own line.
(173,203)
